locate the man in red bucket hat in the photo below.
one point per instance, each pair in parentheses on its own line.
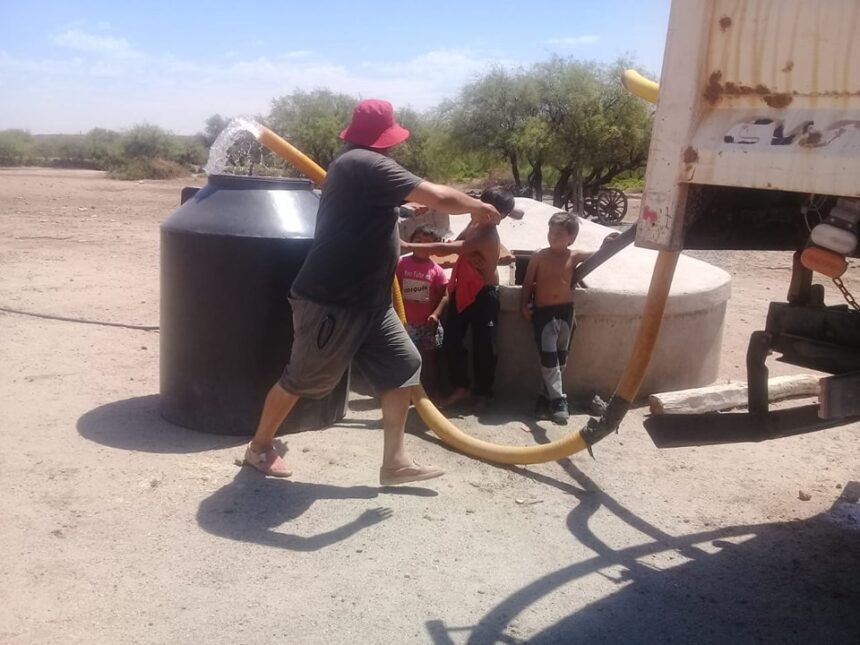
(373,126)
(341,298)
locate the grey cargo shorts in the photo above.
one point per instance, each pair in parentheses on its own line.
(327,338)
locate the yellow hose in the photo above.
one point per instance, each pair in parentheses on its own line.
(573,443)
(652,317)
(640,86)
(456,438)
(289,152)
(397,301)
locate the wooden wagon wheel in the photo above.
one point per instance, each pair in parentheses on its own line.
(611,206)
(590,208)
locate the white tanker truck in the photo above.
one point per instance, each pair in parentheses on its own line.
(756,144)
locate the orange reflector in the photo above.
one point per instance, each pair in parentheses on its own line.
(823,261)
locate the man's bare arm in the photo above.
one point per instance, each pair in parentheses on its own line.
(478,244)
(436,248)
(450,201)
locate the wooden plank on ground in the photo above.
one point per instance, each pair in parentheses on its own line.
(730,395)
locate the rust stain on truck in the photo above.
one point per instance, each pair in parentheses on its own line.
(781,100)
(714,89)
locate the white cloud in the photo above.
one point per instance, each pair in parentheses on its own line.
(573,41)
(432,64)
(91,43)
(278,71)
(108,69)
(300,53)
(107,87)
(11,66)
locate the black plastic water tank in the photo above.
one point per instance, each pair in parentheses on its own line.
(229,255)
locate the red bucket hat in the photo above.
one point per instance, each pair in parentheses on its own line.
(373,126)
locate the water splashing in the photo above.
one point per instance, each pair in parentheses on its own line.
(230,135)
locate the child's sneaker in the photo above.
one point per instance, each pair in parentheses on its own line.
(542,408)
(558,410)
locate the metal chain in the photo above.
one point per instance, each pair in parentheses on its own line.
(846,294)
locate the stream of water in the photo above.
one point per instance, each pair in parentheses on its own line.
(229,135)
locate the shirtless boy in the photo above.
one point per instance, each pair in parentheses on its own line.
(474,301)
(548,278)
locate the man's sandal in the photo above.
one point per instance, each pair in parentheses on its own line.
(268,462)
(406,474)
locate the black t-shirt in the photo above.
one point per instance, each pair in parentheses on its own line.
(356,243)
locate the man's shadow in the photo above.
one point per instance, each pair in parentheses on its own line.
(251,508)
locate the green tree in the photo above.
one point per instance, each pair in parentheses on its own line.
(600,130)
(413,154)
(491,113)
(103,147)
(44,150)
(535,142)
(72,151)
(16,146)
(215,124)
(566,119)
(147,141)
(312,121)
(190,151)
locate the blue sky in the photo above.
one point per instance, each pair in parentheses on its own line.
(72,66)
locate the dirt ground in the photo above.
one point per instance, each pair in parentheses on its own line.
(117,527)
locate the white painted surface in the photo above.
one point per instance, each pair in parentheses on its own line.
(758,94)
(665,195)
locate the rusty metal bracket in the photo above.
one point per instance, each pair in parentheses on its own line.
(608,249)
(757,372)
(840,396)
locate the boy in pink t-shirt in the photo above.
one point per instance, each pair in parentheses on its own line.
(423,284)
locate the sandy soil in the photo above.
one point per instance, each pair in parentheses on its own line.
(116,527)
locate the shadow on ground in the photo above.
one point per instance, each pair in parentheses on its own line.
(792,582)
(251,508)
(135,424)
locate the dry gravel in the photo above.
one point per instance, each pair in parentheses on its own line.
(116,527)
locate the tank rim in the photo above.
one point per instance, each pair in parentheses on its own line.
(264,183)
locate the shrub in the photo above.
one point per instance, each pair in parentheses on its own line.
(15,147)
(135,169)
(148,141)
(634,182)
